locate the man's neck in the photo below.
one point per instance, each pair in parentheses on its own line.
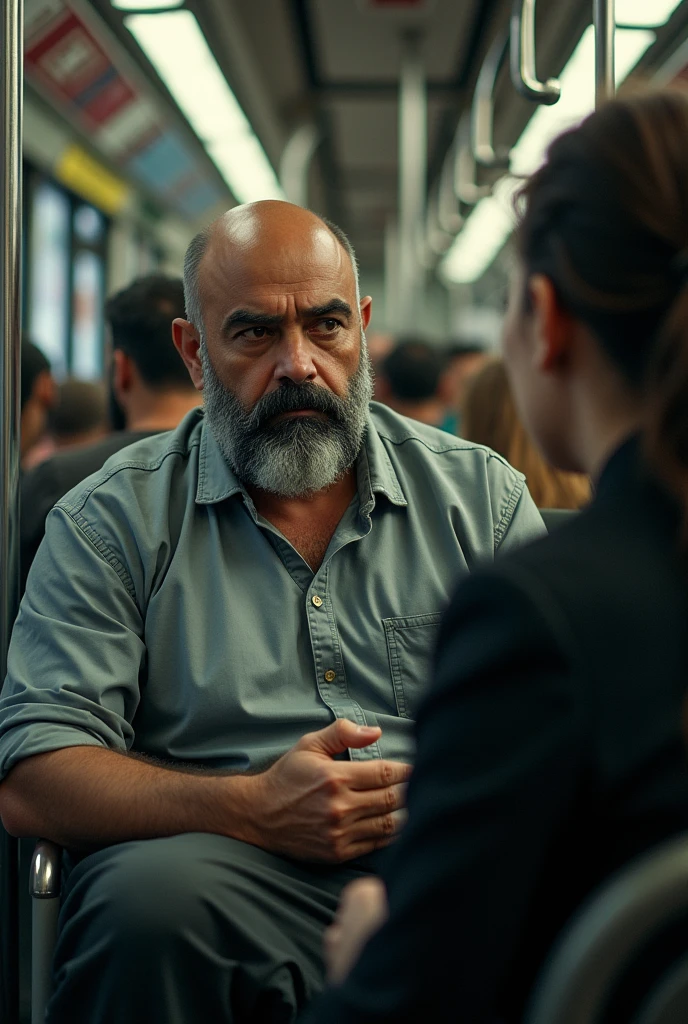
(308,523)
(318,504)
(161,412)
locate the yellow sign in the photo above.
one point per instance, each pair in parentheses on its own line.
(84,175)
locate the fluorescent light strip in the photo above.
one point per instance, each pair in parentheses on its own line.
(645,13)
(474,250)
(145,5)
(177,49)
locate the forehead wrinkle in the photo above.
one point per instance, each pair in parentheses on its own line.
(235,264)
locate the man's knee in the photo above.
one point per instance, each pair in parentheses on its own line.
(146,891)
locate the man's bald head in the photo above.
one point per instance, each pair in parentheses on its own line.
(255,224)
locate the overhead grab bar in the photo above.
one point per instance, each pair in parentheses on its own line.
(449,219)
(604,20)
(466,187)
(483,107)
(523,72)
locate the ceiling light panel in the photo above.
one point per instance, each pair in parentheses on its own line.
(177,49)
(145,5)
(645,13)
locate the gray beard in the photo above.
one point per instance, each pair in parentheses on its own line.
(291,457)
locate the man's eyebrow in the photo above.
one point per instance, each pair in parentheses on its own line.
(334,306)
(249,318)
(246,318)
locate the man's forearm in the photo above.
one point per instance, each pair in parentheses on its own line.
(83,797)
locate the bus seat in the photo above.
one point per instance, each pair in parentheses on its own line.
(624,957)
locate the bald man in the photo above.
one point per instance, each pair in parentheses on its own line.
(224,639)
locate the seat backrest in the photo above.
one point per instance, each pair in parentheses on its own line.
(637,919)
(555,517)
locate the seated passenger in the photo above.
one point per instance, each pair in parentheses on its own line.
(78,416)
(462,360)
(409,379)
(37,397)
(550,751)
(490,418)
(214,620)
(150,391)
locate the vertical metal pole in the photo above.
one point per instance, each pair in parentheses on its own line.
(413,109)
(295,163)
(392,321)
(604,20)
(11,61)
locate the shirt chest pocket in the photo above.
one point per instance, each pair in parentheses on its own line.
(411,643)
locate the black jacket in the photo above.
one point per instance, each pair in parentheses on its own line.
(550,752)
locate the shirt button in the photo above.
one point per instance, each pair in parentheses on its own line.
(330,675)
(317,601)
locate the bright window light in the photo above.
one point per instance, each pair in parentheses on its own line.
(177,49)
(645,13)
(145,5)
(474,249)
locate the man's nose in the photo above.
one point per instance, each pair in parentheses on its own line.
(295,358)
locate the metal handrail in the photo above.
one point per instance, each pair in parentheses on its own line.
(604,20)
(483,106)
(296,161)
(466,187)
(523,72)
(449,219)
(11,60)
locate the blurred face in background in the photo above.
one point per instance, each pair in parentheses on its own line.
(459,371)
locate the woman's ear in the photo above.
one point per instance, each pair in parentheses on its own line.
(553,325)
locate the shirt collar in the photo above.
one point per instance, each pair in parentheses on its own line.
(216,481)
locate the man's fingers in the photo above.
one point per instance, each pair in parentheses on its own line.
(376,774)
(380,827)
(371,803)
(338,737)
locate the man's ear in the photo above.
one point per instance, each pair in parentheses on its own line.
(122,373)
(187,343)
(553,325)
(366,310)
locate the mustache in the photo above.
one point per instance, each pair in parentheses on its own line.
(291,397)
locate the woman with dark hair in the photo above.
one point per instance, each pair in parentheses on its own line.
(550,751)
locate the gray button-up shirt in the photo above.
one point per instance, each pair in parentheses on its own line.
(164,615)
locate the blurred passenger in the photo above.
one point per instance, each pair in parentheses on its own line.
(409,379)
(241,620)
(551,750)
(150,390)
(37,396)
(79,416)
(380,344)
(490,418)
(462,360)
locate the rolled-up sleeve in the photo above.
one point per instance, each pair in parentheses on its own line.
(77,651)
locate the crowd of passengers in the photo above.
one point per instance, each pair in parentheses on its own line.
(282,581)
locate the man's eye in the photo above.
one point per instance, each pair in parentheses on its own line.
(254,333)
(328,326)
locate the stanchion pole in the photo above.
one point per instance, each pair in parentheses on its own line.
(11,61)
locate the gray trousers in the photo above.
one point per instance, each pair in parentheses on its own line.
(194,928)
